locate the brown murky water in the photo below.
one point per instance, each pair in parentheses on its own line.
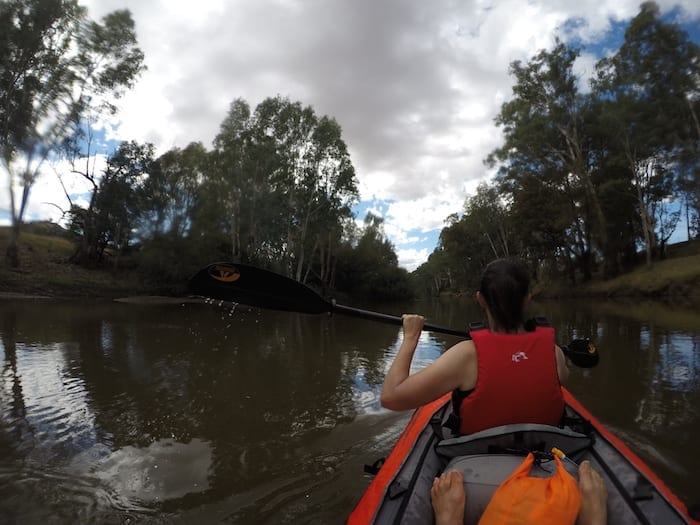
(198,413)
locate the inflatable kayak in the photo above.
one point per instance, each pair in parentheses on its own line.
(400,490)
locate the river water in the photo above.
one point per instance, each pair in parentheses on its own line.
(205,413)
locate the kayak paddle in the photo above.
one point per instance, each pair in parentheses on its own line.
(244,284)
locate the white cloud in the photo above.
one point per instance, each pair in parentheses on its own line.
(414,85)
(412,258)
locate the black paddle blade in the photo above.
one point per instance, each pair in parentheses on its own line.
(582,353)
(243,284)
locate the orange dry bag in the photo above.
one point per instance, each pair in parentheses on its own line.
(522,499)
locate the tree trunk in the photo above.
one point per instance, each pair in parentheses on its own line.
(236,228)
(12,252)
(644,215)
(311,262)
(579,166)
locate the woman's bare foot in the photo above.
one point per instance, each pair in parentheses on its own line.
(594,496)
(449,498)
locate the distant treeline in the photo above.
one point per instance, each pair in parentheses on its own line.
(275,191)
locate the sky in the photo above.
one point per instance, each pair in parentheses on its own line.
(414,85)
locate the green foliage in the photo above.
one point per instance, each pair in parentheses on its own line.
(283,185)
(276,191)
(585,176)
(169,260)
(369,269)
(170,191)
(56,69)
(548,157)
(115,206)
(647,93)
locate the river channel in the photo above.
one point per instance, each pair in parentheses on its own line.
(206,413)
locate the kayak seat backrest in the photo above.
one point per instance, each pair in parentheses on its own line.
(509,438)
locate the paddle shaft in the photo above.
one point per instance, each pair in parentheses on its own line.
(584,359)
(393,319)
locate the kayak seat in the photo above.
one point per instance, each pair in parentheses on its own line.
(515,438)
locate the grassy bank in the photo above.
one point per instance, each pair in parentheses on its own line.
(676,278)
(45,271)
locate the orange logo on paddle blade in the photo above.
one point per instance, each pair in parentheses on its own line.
(224,273)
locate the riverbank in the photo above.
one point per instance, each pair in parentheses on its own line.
(44,273)
(668,278)
(675,279)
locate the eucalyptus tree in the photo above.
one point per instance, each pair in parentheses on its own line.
(369,265)
(56,67)
(548,226)
(317,177)
(293,128)
(645,90)
(461,253)
(111,218)
(285,184)
(689,170)
(433,276)
(171,248)
(689,191)
(483,232)
(487,210)
(325,195)
(171,189)
(239,189)
(547,146)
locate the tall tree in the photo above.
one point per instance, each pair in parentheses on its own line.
(325,195)
(645,89)
(56,67)
(689,170)
(171,189)
(489,215)
(115,206)
(241,187)
(285,184)
(546,140)
(483,232)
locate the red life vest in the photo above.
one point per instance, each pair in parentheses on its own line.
(517,381)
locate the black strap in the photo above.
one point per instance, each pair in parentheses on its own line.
(436,425)
(536,321)
(374,467)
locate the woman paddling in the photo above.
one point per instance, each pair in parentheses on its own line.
(508,373)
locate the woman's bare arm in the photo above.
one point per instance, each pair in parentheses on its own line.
(404,391)
(562,367)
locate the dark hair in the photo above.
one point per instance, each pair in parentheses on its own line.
(505,284)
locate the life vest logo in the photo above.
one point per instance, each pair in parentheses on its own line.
(224,273)
(518,356)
